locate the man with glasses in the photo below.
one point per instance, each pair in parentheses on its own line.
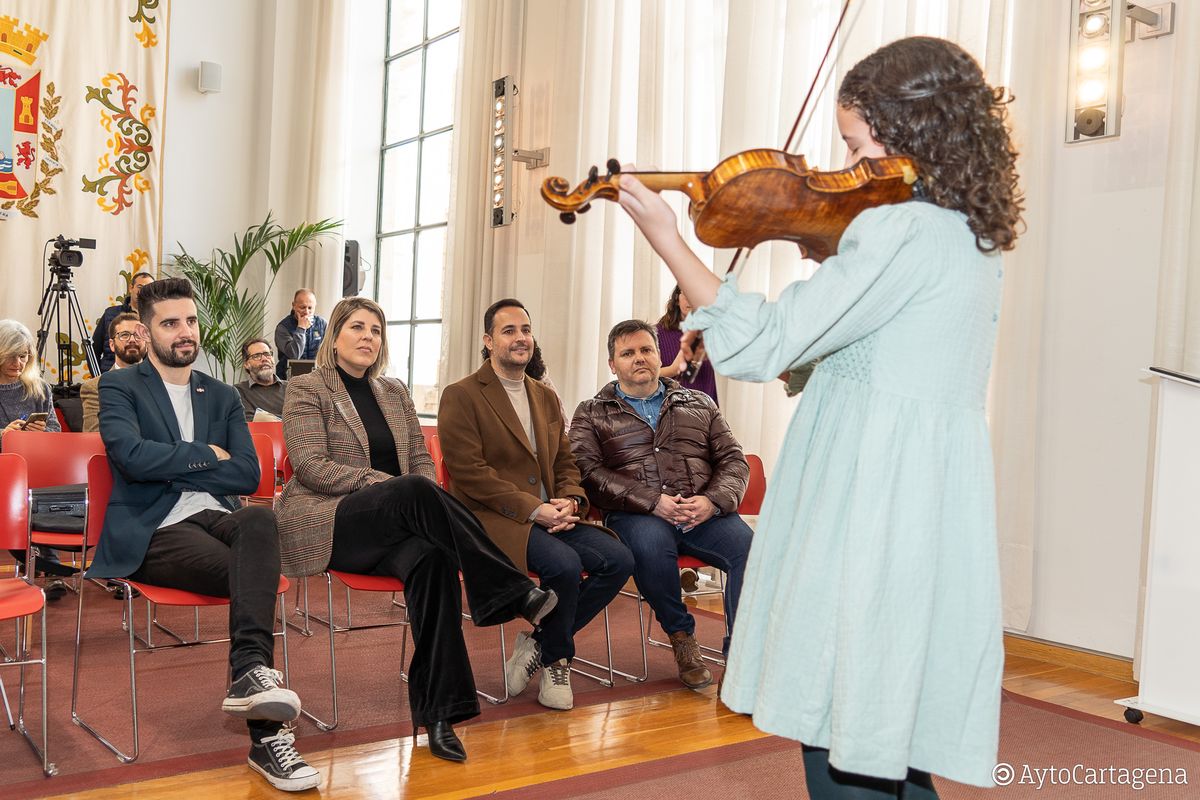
(102,343)
(261,392)
(128,349)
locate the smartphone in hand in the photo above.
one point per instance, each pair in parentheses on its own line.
(37,416)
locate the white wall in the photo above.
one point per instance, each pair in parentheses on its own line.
(1101,303)
(214,147)
(217,169)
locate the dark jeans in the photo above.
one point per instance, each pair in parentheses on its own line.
(559,559)
(410,529)
(722,542)
(828,783)
(225,555)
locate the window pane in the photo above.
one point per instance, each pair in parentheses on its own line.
(407,28)
(435,179)
(441,68)
(443,15)
(431,257)
(398,336)
(403,98)
(395,276)
(399,188)
(427,352)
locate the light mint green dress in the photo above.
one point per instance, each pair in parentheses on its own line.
(869,622)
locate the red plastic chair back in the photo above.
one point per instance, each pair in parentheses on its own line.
(100,486)
(265,449)
(287,469)
(752,502)
(275,431)
(62,421)
(54,459)
(14,501)
(440,472)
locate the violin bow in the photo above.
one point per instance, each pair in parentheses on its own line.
(737,256)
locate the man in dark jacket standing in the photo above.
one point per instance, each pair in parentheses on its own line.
(101,344)
(663,464)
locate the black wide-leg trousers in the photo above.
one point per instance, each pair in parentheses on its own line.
(409,528)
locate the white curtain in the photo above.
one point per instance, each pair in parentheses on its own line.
(305,174)
(1177,345)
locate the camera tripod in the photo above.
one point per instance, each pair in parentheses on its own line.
(58,289)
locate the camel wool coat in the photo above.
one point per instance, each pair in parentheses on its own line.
(493,469)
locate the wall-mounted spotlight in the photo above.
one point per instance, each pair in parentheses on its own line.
(1095,71)
(503,153)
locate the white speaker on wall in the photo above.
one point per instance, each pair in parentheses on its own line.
(210,77)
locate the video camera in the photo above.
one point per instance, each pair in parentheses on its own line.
(65,255)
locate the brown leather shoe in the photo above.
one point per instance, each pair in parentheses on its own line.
(692,671)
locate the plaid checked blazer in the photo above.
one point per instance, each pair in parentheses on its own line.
(327,444)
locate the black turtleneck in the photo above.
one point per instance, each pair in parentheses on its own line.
(379,436)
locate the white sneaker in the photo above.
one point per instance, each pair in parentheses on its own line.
(522,664)
(555,691)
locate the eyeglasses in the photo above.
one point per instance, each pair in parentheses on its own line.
(258,356)
(126,336)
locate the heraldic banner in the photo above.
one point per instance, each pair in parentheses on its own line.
(82,96)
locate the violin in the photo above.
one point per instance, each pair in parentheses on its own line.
(759,195)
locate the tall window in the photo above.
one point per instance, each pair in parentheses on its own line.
(414,187)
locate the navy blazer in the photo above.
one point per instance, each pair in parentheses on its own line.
(152,466)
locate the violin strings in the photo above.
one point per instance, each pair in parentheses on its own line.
(741,251)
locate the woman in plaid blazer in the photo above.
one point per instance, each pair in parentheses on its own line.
(363,500)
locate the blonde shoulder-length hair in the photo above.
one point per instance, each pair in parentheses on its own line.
(327,352)
(15,341)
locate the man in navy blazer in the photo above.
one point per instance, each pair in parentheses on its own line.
(180,454)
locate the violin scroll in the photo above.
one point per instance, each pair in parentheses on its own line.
(558,193)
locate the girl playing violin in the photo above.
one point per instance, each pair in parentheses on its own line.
(870,627)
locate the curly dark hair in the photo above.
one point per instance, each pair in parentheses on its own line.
(673,317)
(927,98)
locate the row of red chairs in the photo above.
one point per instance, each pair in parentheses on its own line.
(33,460)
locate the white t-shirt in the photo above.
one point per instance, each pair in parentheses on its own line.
(189,502)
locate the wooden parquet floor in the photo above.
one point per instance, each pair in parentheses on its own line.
(534,749)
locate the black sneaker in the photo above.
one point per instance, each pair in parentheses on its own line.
(258,695)
(55,590)
(276,759)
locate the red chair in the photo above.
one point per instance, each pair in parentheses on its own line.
(752,503)
(54,459)
(100,483)
(20,600)
(359,583)
(62,421)
(273,430)
(440,473)
(264,448)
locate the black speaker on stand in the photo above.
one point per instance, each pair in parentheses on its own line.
(350,260)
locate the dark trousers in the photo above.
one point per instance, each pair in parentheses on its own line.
(225,555)
(828,783)
(559,559)
(722,542)
(410,529)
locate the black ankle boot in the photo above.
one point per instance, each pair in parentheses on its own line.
(537,605)
(443,742)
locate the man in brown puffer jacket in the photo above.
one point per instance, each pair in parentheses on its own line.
(662,463)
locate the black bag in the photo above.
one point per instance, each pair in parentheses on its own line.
(59,509)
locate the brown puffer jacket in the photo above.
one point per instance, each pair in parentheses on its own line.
(626,465)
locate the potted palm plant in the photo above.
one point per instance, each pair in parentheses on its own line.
(228,315)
